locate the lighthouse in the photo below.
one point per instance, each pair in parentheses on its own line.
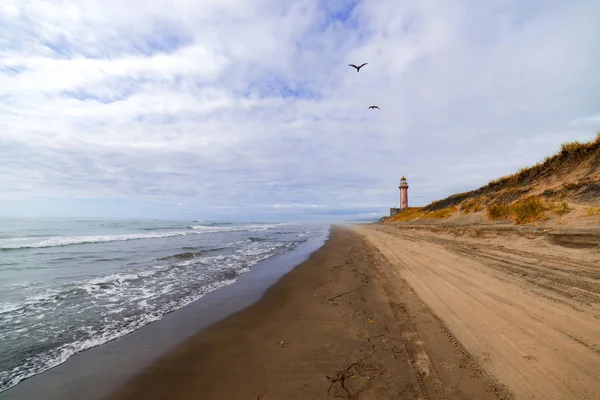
(403,193)
(403,198)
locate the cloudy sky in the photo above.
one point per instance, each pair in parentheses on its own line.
(247,109)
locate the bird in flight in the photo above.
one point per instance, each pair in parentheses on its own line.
(359,67)
(375,107)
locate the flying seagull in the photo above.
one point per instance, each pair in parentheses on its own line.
(357,68)
(375,107)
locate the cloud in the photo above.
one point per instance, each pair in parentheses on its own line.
(250,107)
(593,120)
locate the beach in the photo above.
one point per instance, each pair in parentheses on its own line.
(376,312)
(523,301)
(335,326)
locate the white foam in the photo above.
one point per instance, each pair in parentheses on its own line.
(8,307)
(58,241)
(259,249)
(250,228)
(117,278)
(57,356)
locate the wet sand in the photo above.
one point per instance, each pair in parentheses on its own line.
(343,324)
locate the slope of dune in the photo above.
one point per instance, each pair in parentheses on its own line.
(563,189)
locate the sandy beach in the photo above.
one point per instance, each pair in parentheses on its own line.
(343,324)
(392,312)
(523,301)
(380,311)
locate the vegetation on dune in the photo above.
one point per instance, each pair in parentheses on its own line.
(407,215)
(518,185)
(560,207)
(529,210)
(498,211)
(417,213)
(567,150)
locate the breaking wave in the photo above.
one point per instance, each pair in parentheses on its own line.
(58,241)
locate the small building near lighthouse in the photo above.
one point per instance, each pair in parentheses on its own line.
(403,198)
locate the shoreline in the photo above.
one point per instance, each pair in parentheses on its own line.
(379,312)
(332,326)
(101,369)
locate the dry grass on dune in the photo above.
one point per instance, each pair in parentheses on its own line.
(529,210)
(560,207)
(418,213)
(498,211)
(407,215)
(573,150)
(573,173)
(593,211)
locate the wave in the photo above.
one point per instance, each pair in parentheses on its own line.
(8,307)
(164,228)
(58,241)
(185,263)
(126,301)
(53,356)
(241,228)
(189,254)
(255,239)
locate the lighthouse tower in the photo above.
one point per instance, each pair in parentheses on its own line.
(403,193)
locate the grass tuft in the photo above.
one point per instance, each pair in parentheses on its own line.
(573,147)
(529,210)
(561,207)
(498,211)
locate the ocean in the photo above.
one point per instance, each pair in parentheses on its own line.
(67,285)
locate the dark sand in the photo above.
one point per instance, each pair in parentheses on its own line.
(332,327)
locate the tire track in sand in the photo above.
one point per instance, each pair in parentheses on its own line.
(430,384)
(531,356)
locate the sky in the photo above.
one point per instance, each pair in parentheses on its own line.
(248,110)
